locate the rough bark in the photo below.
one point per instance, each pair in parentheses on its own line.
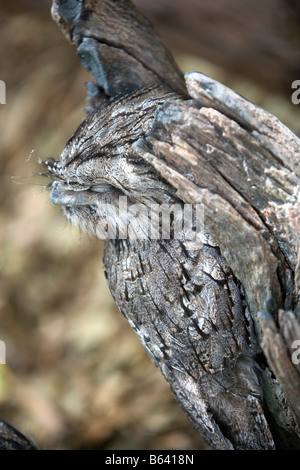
(245,169)
(117,55)
(12,439)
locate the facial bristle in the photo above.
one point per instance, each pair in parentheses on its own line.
(52,168)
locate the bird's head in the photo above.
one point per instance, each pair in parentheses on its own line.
(99,177)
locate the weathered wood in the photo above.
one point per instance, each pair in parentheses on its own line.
(118,57)
(12,439)
(279,345)
(243,164)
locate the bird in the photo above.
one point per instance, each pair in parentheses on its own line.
(176,289)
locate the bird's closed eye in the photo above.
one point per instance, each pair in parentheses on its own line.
(101,188)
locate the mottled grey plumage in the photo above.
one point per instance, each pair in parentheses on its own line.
(182,300)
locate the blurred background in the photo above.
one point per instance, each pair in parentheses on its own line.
(76,375)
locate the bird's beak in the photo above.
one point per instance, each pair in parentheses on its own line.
(62,195)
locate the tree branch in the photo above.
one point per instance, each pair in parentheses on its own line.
(120,58)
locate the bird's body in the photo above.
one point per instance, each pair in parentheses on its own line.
(181,298)
(190,316)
